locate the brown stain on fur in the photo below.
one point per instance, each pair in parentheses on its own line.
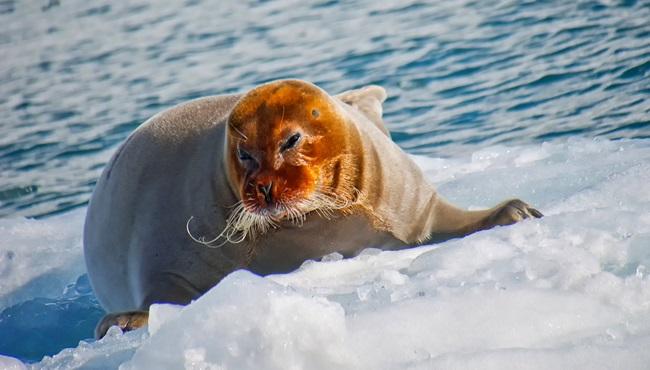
(324,159)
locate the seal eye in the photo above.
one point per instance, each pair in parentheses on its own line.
(244,155)
(291,142)
(315,113)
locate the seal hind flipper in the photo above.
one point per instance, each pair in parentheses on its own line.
(126,321)
(368,100)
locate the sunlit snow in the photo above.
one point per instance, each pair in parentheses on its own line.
(570,290)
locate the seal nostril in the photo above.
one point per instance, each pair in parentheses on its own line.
(266,190)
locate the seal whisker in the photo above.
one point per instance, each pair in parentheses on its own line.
(282,118)
(201,240)
(241,134)
(239,225)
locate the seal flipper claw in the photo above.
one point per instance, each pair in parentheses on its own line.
(535,213)
(126,321)
(510,212)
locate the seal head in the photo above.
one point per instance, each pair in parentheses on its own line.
(288,152)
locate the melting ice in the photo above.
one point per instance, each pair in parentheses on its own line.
(570,290)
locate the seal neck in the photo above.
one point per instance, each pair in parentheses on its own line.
(393,191)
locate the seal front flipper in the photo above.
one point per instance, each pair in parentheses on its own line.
(449,221)
(126,321)
(510,212)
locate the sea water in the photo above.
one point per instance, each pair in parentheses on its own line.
(546,101)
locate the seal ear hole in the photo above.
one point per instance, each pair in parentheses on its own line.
(315,113)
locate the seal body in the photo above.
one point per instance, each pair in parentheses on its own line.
(262,181)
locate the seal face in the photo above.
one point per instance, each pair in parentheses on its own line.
(287,151)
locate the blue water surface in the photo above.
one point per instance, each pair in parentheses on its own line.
(76,77)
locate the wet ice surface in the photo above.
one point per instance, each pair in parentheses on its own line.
(570,290)
(45,301)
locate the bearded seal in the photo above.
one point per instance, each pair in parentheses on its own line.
(260,181)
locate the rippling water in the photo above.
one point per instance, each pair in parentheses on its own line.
(76,77)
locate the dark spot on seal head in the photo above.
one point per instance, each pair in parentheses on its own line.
(315,113)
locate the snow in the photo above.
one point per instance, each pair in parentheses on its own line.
(570,290)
